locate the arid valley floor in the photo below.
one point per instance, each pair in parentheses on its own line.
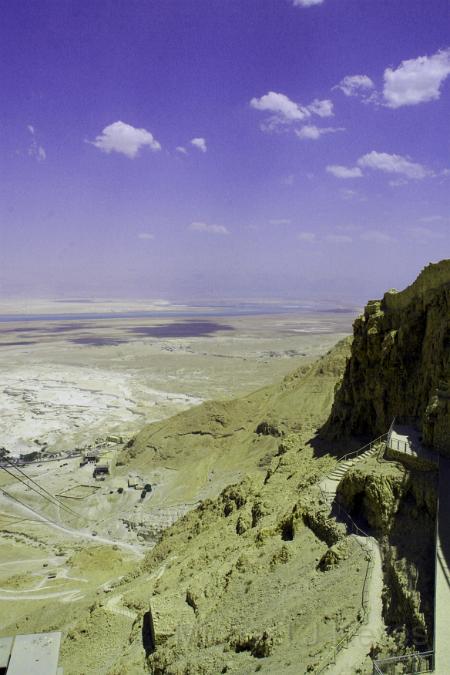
(66,383)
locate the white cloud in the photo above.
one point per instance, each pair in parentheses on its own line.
(321,107)
(311,132)
(181,150)
(416,80)
(356,85)
(146,236)
(307,3)
(35,150)
(210,229)
(285,110)
(125,139)
(280,104)
(308,237)
(344,172)
(199,143)
(383,161)
(339,238)
(377,237)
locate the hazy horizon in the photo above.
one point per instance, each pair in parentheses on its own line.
(275,149)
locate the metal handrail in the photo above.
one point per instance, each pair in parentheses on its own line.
(364,447)
(355,529)
(392,661)
(391,428)
(370,566)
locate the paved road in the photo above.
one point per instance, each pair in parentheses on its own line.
(442,608)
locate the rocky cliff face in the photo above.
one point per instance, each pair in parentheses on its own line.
(400,363)
(396,501)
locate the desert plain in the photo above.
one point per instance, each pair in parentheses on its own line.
(68,383)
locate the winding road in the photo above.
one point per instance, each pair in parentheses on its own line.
(135,549)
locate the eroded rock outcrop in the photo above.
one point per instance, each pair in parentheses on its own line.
(400,363)
(399,505)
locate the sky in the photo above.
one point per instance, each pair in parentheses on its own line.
(220,149)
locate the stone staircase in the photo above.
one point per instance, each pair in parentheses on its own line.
(329,484)
(346,464)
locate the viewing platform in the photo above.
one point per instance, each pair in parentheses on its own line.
(406,440)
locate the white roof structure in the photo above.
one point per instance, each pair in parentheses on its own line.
(36,654)
(5,651)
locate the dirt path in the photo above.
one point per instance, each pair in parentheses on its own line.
(77,534)
(115,606)
(353,656)
(69,596)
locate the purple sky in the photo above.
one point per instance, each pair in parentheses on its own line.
(222,148)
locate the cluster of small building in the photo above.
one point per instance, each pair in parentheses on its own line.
(137,482)
(104,460)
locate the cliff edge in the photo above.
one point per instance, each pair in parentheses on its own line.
(400,363)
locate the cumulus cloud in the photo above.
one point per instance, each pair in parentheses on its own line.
(125,139)
(308,237)
(285,111)
(313,133)
(416,80)
(35,149)
(321,107)
(209,229)
(307,3)
(356,85)
(383,161)
(200,144)
(344,171)
(280,104)
(146,236)
(181,150)
(377,237)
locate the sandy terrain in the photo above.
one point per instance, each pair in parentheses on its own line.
(64,383)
